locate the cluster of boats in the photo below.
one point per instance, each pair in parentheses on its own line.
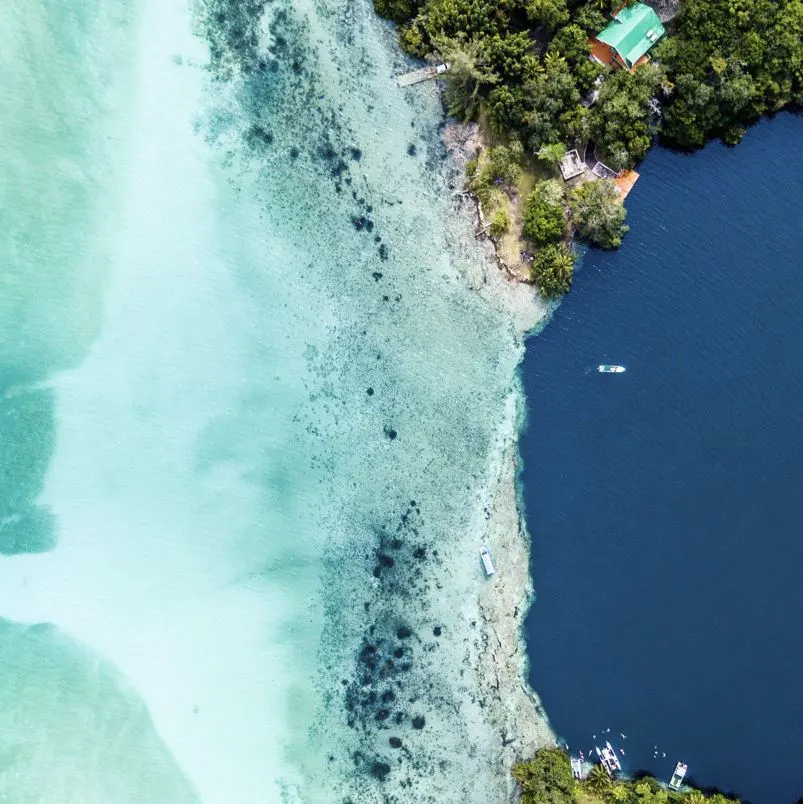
(610,761)
(607,754)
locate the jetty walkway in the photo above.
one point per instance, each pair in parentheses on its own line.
(424,74)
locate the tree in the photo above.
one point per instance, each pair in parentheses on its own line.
(619,122)
(549,13)
(575,123)
(599,780)
(618,792)
(546,779)
(598,213)
(510,56)
(503,161)
(590,19)
(692,113)
(695,797)
(462,19)
(730,62)
(552,271)
(571,42)
(549,94)
(500,168)
(506,108)
(397,10)
(411,39)
(468,73)
(544,219)
(551,154)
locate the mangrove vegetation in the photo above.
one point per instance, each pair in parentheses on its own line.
(521,68)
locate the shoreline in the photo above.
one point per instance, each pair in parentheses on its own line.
(514,708)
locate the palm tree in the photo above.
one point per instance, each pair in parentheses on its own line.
(467,74)
(552,270)
(618,792)
(599,781)
(695,797)
(553,61)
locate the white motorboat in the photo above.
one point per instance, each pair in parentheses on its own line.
(678,776)
(607,368)
(487,564)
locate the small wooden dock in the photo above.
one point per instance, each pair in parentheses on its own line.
(424,74)
(624,182)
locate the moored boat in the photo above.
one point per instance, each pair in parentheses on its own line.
(577,767)
(678,776)
(607,756)
(608,368)
(487,564)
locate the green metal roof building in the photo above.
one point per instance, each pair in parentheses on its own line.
(633,31)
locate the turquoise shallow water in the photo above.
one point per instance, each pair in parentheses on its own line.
(248,403)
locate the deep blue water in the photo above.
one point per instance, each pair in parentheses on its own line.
(666,504)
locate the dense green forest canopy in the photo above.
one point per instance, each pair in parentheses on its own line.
(723,64)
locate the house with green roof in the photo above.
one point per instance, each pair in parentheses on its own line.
(625,42)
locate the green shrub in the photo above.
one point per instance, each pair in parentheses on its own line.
(499,224)
(503,162)
(547,779)
(551,154)
(481,184)
(501,166)
(598,214)
(544,219)
(411,39)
